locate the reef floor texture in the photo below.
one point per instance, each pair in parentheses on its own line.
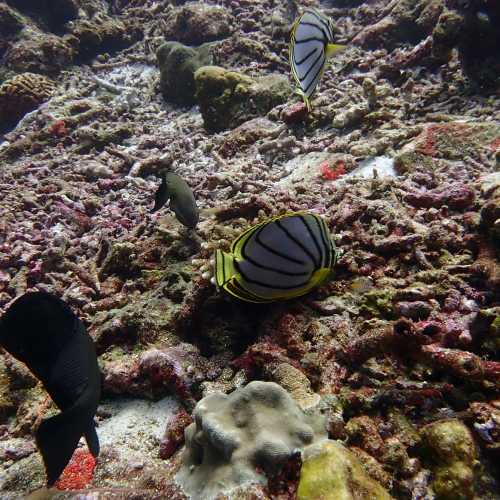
(401,156)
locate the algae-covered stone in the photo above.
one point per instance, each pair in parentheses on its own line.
(331,472)
(452,141)
(453,456)
(178,64)
(227,98)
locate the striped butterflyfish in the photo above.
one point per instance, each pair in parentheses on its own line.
(311,44)
(281,258)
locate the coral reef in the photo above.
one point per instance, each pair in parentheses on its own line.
(400,155)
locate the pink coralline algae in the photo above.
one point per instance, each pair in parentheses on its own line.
(463,364)
(456,196)
(295,113)
(173,438)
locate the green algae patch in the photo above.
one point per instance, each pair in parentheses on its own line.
(331,472)
(378,303)
(453,457)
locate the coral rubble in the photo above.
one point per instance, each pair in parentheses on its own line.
(399,350)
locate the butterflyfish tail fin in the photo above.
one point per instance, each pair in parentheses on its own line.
(224,268)
(333,48)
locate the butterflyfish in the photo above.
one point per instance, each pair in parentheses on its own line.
(41,330)
(311,44)
(182,201)
(281,258)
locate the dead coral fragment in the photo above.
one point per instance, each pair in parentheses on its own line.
(234,435)
(22,94)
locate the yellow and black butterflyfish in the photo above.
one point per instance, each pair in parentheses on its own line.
(311,44)
(281,258)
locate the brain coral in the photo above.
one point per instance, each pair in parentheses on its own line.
(237,436)
(22,94)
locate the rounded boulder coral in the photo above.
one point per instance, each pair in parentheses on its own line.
(22,94)
(236,438)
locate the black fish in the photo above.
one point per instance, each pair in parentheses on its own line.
(181,197)
(41,330)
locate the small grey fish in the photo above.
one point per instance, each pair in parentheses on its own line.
(182,202)
(41,330)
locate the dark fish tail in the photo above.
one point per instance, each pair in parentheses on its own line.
(92,440)
(58,436)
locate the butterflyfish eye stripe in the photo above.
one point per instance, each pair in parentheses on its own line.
(298,243)
(318,248)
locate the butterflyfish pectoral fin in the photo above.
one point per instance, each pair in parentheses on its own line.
(333,48)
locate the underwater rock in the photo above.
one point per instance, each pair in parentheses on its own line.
(296,113)
(331,472)
(406,21)
(457,196)
(120,260)
(173,438)
(487,423)
(235,438)
(39,52)
(490,217)
(453,454)
(53,13)
(10,21)
(246,134)
(351,116)
(449,141)
(296,383)
(198,23)
(363,433)
(178,64)
(23,94)
(227,98)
